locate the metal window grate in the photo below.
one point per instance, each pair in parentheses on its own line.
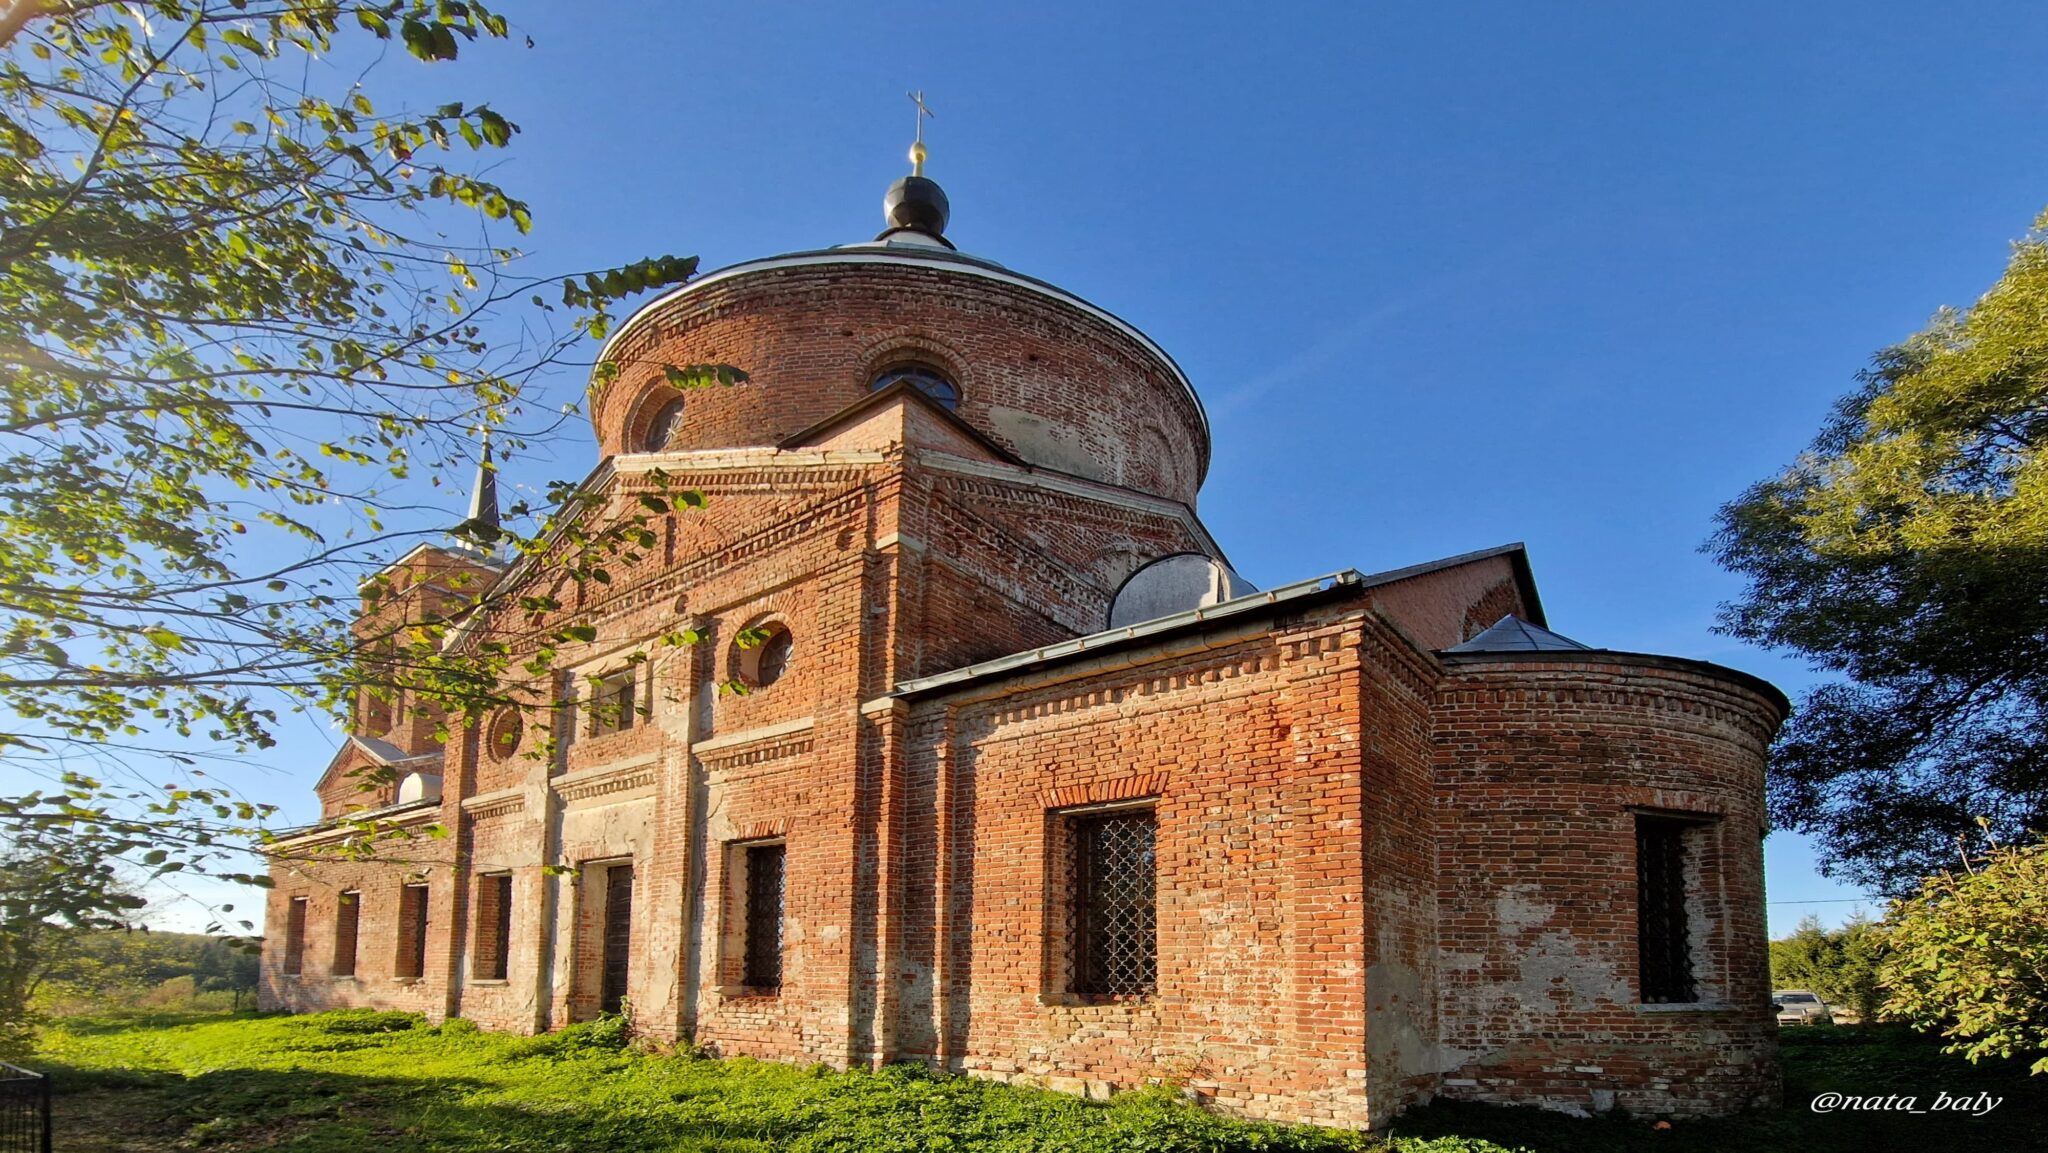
(24,1110)
(1663,942)
(1116,932)
(618,937)
(763,963)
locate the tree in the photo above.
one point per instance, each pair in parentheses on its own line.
(243,307)
(56,882)
(1969,955)
(233,967)
(1907,551)
(1841,966)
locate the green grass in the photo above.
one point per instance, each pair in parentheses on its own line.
(385,1083)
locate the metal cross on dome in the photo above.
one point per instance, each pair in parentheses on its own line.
(917,146)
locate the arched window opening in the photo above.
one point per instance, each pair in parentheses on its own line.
(926,380)
(763,664)
(661,431)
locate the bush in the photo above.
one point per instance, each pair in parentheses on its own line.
(607,1034)
(458,1027)
(360,1021)
(1969,956)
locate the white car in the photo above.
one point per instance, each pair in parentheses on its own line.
(1800,1007)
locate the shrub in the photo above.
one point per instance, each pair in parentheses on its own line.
(357,1021)
(1969,956)
(607,1034)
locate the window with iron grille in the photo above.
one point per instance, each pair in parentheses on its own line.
(762,965)
(295,936)
(348,917)
(412,931)
(493,926)
(612,702)
(1663,929)
(1115,930)
(616,974)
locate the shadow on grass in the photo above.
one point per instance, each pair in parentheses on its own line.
(1883,1061)
(322,1112)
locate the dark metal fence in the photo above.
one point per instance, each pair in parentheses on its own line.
(24,1110)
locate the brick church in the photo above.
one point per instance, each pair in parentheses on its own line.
(1027,783)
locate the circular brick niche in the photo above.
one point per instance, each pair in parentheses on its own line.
(1052,379)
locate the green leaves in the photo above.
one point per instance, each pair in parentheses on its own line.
(1968,955)
(702,375)
(1904,552)
(219,367)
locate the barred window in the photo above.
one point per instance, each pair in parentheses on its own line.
(1663,937)
(348,917)
(1114,900)
(762,967)
(616,975)
(295,936)
(493,957)
(612,701)
(412,931)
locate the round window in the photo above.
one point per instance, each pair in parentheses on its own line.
(668,420)
(503,737)
(926,380)
(764,663)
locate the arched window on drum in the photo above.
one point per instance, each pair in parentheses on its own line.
(924,378)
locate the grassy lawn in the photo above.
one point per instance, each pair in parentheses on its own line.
(383,1083)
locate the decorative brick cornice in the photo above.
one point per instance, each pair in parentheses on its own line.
(1085,707)
(758,754)
(1614,688)
(754,746)
(494,804)
(1042,491)
(637,774)
(396,816)
(835,511)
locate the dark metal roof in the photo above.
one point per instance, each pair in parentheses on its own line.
(1293,596)
(1511,634)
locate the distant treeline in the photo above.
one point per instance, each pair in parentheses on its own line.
(142,968)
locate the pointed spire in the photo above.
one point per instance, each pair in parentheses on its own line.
(483,526)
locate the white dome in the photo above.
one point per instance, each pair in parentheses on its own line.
(1175,584)
(419,787)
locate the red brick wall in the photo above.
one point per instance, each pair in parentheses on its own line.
(1541,767)
(1251,756)
(1048,381)
(1450,606)
(378,980)
(1378,879)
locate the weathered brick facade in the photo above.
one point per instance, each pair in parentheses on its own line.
(1379,870)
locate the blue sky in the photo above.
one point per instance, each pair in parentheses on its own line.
(1446,275)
